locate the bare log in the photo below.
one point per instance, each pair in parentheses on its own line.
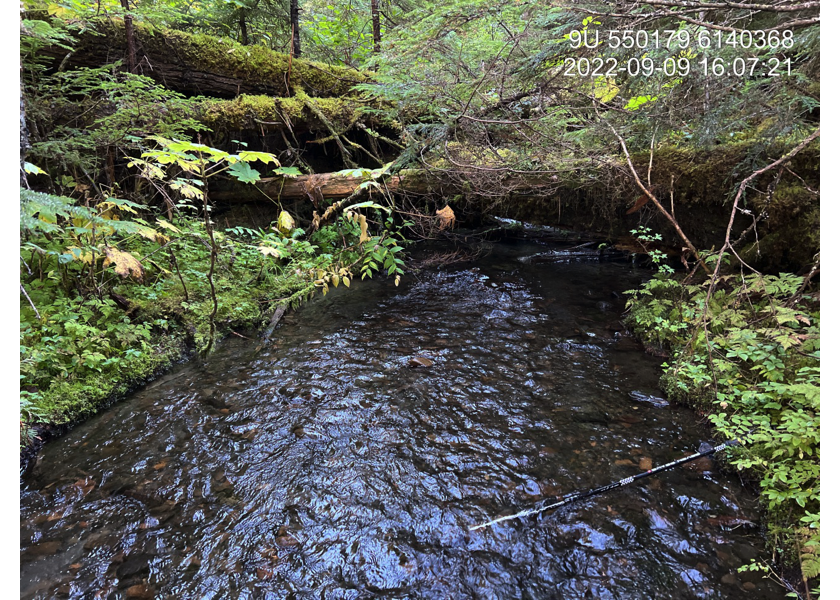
(317,188)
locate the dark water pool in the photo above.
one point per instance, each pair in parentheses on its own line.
(325,466)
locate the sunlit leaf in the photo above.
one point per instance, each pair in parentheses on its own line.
(167,225)
(251,155)
(33,169)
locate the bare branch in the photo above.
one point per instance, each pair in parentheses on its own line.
(727,245)
(32,304)
(689,246)
(671,14)
(742,5)
(787,25)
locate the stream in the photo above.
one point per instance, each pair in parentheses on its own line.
(333,463)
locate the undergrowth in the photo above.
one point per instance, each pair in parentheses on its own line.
(108,298)
(750,360)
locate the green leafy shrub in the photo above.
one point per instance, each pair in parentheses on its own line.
(750,358)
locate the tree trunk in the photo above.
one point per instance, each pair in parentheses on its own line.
(243,28)
(129,37)
(318,188)
(24,131)
(377,35)
(24,139)
(294,15)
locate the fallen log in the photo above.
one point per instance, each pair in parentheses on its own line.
(266,114)
(332,186)
(320,187)
(207,65)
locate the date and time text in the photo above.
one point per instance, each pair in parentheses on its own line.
(691,53)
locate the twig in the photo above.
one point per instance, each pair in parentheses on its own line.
(275,319)
(178,271)
(805,185)
(653,199)
(379,136)
(688,4)
(345,153)
(650,166)
(32,304)
(805,282)
(741,188)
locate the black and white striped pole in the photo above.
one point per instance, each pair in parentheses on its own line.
(594,492)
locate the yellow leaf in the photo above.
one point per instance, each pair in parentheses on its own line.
(397,280)
(124,263)
(57,10)
(346,281)
(79,254)
(168,225)
(335,280)
(285,223)
(446,216)
(151,234)
(268,251)
(363,237)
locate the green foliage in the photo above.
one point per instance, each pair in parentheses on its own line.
(87,332)
(77,337)
(657,257)
(339,32)
(750,356)
(90,112)
(67,239)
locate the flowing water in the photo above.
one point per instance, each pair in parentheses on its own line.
(327,466)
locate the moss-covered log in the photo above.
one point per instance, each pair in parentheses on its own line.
(207,65)
(263,114)
(700,186)
(697,185)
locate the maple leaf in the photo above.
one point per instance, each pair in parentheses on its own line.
(244,173)
(124,263)
(446,216)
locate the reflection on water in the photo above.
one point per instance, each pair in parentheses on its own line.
(332,465)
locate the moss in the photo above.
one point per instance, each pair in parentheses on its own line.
(268,112)
(201,58)
(67,402)
(245,301)
(704,184)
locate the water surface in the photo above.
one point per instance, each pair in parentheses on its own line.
(326,466)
